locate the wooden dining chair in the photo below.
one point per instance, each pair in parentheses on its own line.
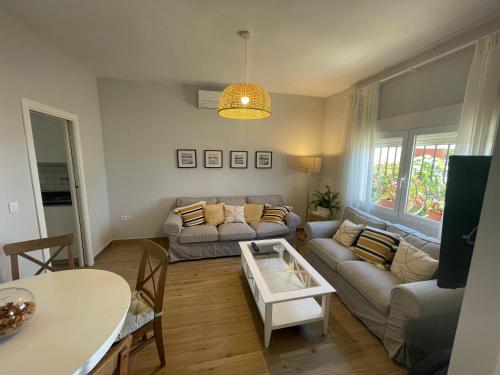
(150,286)
(115,361)
(19,249)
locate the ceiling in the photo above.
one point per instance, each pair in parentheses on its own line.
(308,47)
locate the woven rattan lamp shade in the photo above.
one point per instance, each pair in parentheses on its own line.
(244,101)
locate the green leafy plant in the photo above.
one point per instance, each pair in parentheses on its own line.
(327,199)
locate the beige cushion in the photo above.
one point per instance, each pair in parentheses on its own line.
(376,246)
(214,213)
(199,233)
(139,313)
(411,264)
(192,214)
(253,213)
(347,233)
(234,214)
(275,214)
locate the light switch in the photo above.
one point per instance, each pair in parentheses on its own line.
(13,207)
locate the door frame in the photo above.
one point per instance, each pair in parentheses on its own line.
(29,105)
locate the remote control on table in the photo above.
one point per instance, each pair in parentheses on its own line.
(254,247)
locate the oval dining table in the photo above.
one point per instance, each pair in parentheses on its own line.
(79,313)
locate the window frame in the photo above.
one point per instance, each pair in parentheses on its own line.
(399,214)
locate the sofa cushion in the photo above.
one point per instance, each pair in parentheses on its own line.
(253,213)
(264,229)
(214,213)
(348,233)
(186,201)
(233,201)
(235,232)
(360,217)
(373,283)
(330,251)
(234,214)
(192,215)
(412,265)
(377,246)
(275,214)
(428,245)
(199,233)
(274,200)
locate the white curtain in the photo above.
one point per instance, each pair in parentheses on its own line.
(360,124)
(480,110)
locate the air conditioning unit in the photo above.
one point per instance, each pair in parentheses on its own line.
(208,99)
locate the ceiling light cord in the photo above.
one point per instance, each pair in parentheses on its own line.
(245,74)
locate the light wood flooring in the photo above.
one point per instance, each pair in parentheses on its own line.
(211,326)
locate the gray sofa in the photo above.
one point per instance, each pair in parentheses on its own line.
(377,297)
(209,241)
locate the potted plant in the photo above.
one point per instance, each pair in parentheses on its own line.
(435,211)
(388,193)
(327,202)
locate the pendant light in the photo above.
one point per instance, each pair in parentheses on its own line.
(244,101)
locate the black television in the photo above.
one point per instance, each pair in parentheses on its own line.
(466,184)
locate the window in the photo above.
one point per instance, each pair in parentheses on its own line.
(385,174)
(429,167)
(409,176)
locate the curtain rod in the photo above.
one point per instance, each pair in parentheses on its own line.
(428,61)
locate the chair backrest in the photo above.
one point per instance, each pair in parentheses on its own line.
(115,361)
(152,274)
(16,249)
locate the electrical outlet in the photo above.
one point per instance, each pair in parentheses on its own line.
(13,207)
(125,218)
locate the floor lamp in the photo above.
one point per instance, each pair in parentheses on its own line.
(309,164)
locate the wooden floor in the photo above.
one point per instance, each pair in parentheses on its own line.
(211,326)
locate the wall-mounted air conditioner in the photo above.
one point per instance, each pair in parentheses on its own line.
(208,99)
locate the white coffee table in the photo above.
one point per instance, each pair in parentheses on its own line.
(284,285)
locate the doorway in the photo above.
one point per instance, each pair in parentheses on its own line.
(57,177)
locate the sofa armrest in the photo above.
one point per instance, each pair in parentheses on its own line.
(412,301)
(173,225)
(292,220)
(321,229)
(424,299)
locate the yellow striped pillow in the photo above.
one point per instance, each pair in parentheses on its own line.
(192,215)
(275,214)
(376,246)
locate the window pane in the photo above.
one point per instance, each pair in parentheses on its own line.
(386,171)
(429,169)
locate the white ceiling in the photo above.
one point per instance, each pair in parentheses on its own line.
(309,47)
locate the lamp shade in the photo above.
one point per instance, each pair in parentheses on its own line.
(310,163)
(244,101)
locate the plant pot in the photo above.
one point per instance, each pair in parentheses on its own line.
(323,211)
(436,216)
(386,203)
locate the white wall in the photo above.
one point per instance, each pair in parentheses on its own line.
(477,342)
(144,124)
(32,68)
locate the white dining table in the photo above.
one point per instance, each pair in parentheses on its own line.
(79,313)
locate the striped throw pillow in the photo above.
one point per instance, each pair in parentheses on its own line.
(377,246)
(275,214)
(192,215)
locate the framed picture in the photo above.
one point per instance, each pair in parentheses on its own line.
(213,159)
(239,159)
(186,158)
(263,159)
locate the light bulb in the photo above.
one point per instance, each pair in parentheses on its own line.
(244,100)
